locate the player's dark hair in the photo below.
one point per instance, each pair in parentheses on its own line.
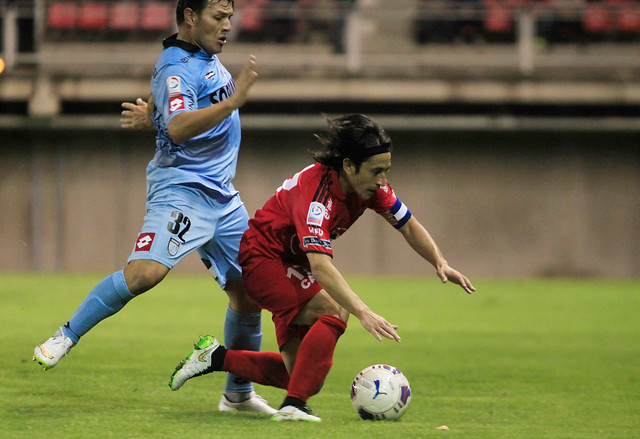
(196,6)
(354,136)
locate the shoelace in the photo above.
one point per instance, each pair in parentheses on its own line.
(60,343)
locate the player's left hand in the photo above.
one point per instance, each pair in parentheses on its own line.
(243,83)
(135,116)
(446,273)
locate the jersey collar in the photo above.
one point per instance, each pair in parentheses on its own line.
(173,41)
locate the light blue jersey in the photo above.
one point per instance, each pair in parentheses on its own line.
(187,78)
(191,202)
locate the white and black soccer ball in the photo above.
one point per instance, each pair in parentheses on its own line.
(380,392)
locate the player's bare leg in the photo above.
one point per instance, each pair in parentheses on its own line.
(141,275)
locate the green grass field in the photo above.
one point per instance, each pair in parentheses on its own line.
(519,359)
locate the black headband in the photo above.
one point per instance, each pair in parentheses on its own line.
(364,153)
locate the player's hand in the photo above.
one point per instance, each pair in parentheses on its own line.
(379,326)
(135,116)
(243,83)
(446,273)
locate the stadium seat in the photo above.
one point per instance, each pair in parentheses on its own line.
(498,19)
(124,16)
(62,15)
(252,17)
(93,16)
(157,16)
(628,19)
(597,19)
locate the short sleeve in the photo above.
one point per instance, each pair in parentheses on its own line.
(176,91)
(311,219)
(389,206)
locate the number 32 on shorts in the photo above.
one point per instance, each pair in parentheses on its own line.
(179,225)
(304,276)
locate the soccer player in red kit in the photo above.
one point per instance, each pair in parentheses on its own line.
(287,267)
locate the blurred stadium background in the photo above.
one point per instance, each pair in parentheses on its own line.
(516,125)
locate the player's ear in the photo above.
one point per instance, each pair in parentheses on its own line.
(189,16)
(348,166)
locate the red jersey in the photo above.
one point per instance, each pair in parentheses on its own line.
(308,211)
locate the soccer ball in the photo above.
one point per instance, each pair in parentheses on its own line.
(380,392)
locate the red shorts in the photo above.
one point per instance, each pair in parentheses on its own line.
(284,289)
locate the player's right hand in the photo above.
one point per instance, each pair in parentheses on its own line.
(379,326)
(135,116)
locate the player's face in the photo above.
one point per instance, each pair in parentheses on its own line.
(371,176)
(212,26)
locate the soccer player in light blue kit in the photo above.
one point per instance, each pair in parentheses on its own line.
(191,201)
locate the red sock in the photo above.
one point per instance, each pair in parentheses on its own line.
(260,367)
(315,357)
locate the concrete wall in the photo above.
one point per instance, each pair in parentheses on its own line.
(498,203)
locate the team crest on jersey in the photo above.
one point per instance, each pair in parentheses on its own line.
(173,247)
(316,214)
(176,100)
(144,242)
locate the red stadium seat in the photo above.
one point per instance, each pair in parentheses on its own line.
(93,16)
(628,18)
(62,15)
(597,19)
(252,17)
(498,19)
(157,16)
(124,16)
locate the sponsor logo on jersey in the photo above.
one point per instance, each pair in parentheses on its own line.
(316,214)
(144,242)
(173,84)
(176,100)
(314,240)
(222,93)
(316,231)
(175,104)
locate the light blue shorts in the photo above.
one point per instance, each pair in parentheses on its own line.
(181,219)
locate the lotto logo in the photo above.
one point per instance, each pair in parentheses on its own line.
(144,242)
(176,103)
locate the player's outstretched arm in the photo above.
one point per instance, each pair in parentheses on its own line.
(421,241)
(336,286)
(137,115)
